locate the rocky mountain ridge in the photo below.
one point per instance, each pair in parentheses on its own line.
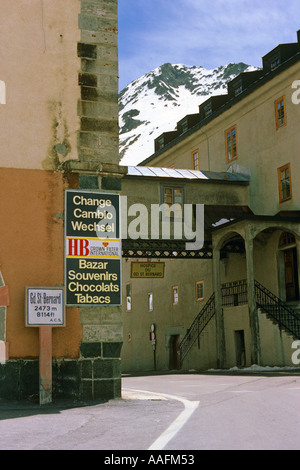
(155,102)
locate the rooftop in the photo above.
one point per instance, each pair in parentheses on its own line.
(195,175)
(286,55)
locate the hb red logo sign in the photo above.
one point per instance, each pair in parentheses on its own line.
(78,247)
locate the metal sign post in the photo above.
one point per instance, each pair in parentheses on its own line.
(45,309)
(45,364)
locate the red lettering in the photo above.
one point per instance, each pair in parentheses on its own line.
(78,247)
(84,250)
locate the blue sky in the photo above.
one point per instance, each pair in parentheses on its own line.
(209,33)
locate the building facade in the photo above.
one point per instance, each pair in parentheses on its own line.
(181,308)
(247,300)
(59,128)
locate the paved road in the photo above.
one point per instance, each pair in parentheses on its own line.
(166,412)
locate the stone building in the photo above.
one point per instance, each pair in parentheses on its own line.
(238,158)
(59,129)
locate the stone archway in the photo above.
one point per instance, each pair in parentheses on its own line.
(219,239)
(249,229)
(285,249)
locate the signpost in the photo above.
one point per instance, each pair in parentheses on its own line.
(45,309)
(92,248)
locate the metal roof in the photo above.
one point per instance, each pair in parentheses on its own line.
(155,172)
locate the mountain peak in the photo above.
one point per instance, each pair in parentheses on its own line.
(155,102)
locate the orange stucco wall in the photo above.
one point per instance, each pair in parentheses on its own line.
(32,254)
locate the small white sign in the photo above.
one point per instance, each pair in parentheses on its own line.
(45,306)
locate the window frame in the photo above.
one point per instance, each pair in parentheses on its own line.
(207,109)
(278,124)
(175,301)
(173,188)
(184,126)
(230,130)
(160,143)
(194,153)
(198,299)
(238,88)
(150,296)
(286,240)
(279,172)
(275,61)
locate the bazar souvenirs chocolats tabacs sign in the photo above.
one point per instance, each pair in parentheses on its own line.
(92,248)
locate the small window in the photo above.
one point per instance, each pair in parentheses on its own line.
(286,239)
(150,302)
(199,290)
(175,299)
(184,126)
(207,109)
(280,112)
(275,61)
(285,183)
(172,196)
(160,143)
(238,88)
(231,144)
(128,298)
(195,156)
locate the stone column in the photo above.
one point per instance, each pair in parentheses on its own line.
(220,331)
(98,168)
(253,313)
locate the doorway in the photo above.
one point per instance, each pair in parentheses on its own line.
(291,274)
(240,350)
(174,359)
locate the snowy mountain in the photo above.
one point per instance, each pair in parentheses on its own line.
(154,103)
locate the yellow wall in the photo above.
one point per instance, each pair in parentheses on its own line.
(261,147)
(32,254)
(39,66)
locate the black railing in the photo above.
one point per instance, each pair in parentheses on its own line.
(198,325)
(236,293)
(286,318)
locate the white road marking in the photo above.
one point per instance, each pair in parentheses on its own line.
(178,423)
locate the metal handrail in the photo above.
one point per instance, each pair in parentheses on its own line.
(284,316)
(236,293)
(198,325)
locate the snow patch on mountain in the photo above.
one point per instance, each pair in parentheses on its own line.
(155,102)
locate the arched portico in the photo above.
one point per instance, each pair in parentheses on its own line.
(249,229)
